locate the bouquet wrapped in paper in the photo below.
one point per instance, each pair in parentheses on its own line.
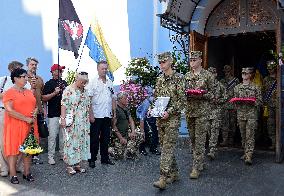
(249,100)
(195,91)
(30,145)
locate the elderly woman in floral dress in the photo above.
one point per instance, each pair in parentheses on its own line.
(76,139)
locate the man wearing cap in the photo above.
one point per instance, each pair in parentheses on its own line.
(247,112)
(269,98)
(5,84)
(169,84)
(198,108)
(52,94)
(216,114)
(229,123)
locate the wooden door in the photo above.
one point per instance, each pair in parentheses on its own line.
(280,94)
(199,42)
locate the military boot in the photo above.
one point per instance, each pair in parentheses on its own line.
(194,173)
(161,183)
(248,159)
(172,178)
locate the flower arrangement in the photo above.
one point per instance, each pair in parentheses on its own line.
(142,71)
(136,94)
(30,145)
(70,77)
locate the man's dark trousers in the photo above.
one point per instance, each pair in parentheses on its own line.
(100,138)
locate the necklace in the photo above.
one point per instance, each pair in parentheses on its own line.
(20,90)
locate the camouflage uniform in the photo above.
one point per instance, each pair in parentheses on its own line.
(169,86)
(247,115)
(131,148)
(269,98)
(216,114)
(198,108)
(229,122)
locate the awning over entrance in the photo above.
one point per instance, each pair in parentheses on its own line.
(178,15)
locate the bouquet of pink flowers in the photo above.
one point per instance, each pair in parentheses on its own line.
(136,94)
(195,91)
(243,100)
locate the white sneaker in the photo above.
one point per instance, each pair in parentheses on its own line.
(51,161)
(4,173)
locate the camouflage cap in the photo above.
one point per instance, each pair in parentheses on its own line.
(227,68)
(212,69)
(271,64)
(195,54)
(163,57)
(247,70)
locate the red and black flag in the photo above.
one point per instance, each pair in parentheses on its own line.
(70,29)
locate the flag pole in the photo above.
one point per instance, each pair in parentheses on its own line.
(80,57)
(58,21)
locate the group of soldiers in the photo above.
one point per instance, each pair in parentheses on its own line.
(209,110)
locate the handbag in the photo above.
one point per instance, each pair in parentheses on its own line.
(69,120)
(42,127)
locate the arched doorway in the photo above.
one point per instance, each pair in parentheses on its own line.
(241,33)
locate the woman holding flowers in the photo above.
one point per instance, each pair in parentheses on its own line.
(20,115)
(76,138)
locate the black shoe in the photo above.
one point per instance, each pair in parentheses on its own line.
(108,162)
(155,151)
(14,180)
(28,177)
(144,152)
(92,164)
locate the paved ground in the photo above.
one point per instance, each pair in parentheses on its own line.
(225,176)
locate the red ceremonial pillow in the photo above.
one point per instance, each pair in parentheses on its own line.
(243,100)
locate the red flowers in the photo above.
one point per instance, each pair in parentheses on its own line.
(243,100)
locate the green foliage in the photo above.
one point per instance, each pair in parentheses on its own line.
(180,63)
(143,73)
(70,79)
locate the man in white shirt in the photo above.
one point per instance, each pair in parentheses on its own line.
(101,93)
(5,84)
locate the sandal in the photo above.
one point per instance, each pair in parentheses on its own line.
(28,177)
(79,169)
(14,180)
(71,171)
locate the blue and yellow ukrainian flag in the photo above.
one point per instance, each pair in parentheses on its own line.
(99,49)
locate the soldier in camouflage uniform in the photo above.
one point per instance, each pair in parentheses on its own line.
(269,98)
(125,141)
(247,113)
(229,123)
(198,108)
(216,114)
(169,84)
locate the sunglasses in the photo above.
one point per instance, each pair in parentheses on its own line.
(25,76)
(83,73)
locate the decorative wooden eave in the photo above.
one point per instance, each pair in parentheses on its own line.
(172,21)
